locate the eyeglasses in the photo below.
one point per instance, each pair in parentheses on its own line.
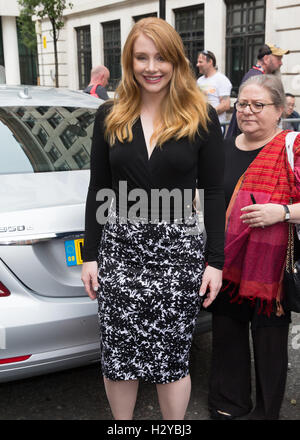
(255,107)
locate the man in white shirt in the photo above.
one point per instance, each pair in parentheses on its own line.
(214,84)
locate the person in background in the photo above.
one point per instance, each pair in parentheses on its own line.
(214,85)
(290,112)
(157,133)
(269,61)
(262,196)
(99,80)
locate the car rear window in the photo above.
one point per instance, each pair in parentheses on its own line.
(44,139)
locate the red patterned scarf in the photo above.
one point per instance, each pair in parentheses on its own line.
(255,258)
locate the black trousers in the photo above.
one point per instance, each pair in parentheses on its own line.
(230,382)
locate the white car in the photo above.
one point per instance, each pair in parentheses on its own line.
(47,321)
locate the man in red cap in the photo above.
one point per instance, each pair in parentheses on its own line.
(269,61)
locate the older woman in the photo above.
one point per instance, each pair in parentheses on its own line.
(262,196)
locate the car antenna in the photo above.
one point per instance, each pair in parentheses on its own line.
(24,94)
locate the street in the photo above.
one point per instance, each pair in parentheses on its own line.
(79,394)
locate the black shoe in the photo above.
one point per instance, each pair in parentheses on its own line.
(216,415)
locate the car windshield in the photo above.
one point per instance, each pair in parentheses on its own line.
(44,139)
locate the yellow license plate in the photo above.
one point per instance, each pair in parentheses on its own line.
(73,249)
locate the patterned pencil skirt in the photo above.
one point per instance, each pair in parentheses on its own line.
(149,278)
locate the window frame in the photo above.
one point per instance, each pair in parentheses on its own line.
(243,39)
(112,51)
(137,18)
(192,42)
(2,62)
(84,55)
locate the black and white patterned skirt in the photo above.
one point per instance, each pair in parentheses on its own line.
(149,277)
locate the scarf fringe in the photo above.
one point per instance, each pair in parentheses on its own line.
(265,306)
(271,181)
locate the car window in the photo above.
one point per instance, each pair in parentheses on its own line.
(44,139)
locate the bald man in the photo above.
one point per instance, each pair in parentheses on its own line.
(99,80)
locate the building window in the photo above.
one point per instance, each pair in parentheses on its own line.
(1,45)
(20,112)
(189,23)
(42,136)
(112,51)
(54,154)
(55,119)
(139,17)
(28,61)
(63,167)
(86,119)
(84,55)
(245,34)
(68,137)
(42,110)
(29,120)
(82,158)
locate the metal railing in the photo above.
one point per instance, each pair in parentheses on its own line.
(224,124)
(282,121)
(291,120)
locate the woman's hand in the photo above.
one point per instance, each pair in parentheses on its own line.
(262,215)
(211,281)
(89,277)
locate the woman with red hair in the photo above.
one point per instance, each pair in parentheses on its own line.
(156,135)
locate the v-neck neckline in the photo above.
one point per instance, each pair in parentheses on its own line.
(145,143)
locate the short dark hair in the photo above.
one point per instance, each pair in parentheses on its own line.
(290,95)
(209,56)
(264,50)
